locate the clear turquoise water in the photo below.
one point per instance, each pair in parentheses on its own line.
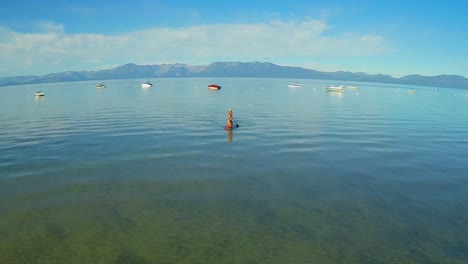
(128,175)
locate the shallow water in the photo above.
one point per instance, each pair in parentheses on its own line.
(132,175)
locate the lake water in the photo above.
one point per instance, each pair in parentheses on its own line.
(131,175)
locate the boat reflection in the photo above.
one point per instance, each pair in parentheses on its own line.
(335,93)
(229,134)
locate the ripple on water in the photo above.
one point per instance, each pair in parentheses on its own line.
(126,176)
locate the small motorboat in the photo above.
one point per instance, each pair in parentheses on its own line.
(39,93)
(334,88)
(214,87)
(410,91)
(352,87)
(101,86)
(294,85)
(146,85)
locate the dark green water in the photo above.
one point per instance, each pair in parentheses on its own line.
(131,175)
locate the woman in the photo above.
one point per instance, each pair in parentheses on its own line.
(230,122)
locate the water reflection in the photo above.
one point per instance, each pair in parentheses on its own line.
(331,168)
(38,98)
(229,134)
(293,89)
(335,93)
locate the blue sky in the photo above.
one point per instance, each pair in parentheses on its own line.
(389,37)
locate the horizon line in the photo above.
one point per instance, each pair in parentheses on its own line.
(200,65)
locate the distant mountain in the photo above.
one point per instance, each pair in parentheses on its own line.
(234,69)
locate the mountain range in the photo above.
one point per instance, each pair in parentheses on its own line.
(234,69)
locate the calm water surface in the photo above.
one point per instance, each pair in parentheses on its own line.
(132,175)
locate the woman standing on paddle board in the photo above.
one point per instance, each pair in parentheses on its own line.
(230,122)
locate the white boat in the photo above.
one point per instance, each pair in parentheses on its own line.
(39,93)
(294,85)
(334,88)
(100,86)
(146,85)
(352,87)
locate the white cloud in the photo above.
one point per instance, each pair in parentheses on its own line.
(194,45)
(47,26)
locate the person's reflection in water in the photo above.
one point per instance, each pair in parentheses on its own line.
(229,133)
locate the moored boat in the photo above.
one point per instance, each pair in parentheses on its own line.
(214,87)
(101,85)
(39,93)
(294,85)
(335,88)
(147,84)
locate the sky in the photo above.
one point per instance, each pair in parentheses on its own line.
(373,36)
